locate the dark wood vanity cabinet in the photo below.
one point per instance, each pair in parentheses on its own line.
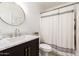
(30,48)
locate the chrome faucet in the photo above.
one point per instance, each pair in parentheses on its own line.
(17,32)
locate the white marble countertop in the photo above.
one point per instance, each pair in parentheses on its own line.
(11,42)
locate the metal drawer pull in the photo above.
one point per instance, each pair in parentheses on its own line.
(29,51)
(26,52)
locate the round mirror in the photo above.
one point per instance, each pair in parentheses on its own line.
(11,13)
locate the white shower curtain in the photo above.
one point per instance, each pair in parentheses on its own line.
(58,29)
(45,26)
(49,29)
(66,30)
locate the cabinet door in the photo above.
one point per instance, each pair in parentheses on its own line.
(18,51)
(14,51)
(33,48)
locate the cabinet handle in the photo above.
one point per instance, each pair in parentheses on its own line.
(29,51)
(26,52)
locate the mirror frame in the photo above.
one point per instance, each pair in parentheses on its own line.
(13,24)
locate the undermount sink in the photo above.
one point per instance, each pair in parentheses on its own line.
(15,38)
(3,43)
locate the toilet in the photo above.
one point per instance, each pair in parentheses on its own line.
(45,48)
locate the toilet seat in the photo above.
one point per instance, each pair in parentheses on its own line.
(45,47)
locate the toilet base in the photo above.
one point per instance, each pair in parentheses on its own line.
(42,53)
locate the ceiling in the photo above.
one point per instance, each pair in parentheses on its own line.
(46,5)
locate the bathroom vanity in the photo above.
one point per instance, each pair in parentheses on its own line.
(21,46)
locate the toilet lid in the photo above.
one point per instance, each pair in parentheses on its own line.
(45,46)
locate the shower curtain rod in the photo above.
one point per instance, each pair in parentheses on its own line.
(58,13)
(60,7)
(75,28)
